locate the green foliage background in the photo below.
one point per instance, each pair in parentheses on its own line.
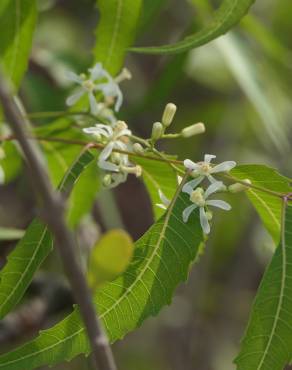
(240,87)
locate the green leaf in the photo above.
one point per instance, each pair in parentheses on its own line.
(267,205)
(267,344)
(228,15)
(33,248)
(115,32)
(158,175)
(162,259)
(17,23)
(110,257)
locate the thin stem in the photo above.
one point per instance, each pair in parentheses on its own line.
(52,211)
(161,158)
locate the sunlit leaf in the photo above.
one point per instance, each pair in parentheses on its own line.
(33,248)
(116,31)
(162,259)
(17,22)
(229,14)
(110,257)
(267,344)
(267,205)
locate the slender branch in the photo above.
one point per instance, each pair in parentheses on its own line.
(161,158)
(53,214)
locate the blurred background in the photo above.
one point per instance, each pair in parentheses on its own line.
(240,87)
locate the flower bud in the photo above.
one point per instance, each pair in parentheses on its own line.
(238,187)
(107,180)
(116,157)
(168,114)
(138,148)
(157,131)
(195,129)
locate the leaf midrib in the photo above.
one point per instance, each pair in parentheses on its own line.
(24,271)
(166,221)
(115,31)
(281,296)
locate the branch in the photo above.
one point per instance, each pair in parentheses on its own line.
(52,208)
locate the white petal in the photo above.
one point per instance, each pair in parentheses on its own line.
(189,186)
(211,179)
(106,152)
(72,99)
(93,103)
(204,221)
(213,188)
(187,211)
(208,157)
(223,167)
(96,72)
(73,77)
(219,204)
(163,198)
(119,101)
(106,128)
(107,166)
(190,165)
(124,132)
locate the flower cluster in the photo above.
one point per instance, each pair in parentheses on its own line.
(199,196)
(99,81)
(117,165)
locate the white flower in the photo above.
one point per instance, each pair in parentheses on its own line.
(200,170)
(115,138)
(199,198)
(165,201)
(93,83)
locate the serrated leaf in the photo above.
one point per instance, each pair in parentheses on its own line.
(17,23)
(161,261)
(267,205)
(267,344)
(116,31)
(33,248)
(228,15)
(109,257)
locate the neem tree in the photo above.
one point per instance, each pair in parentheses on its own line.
(183,193)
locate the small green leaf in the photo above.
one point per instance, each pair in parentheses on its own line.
(17,23)
(161,261)
(227,16)
(110,257)
(267,205)
(267,344)
(115,32)
(33,248)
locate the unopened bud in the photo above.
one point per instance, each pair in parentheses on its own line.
(157,131)
(195,129)
(107,180)
(138,148)
(116,157)
(238,187)
(120,125)
(168,114)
